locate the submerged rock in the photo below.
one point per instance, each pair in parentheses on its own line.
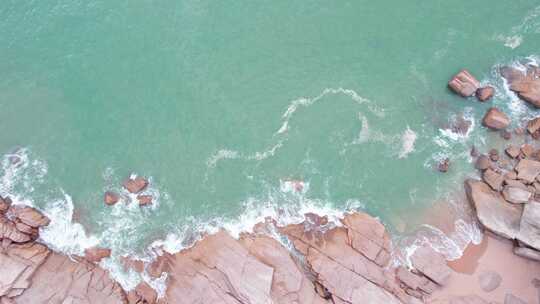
(135,185)
(444,165)
(464,84)
(485,93)
(495,119)
(489,280)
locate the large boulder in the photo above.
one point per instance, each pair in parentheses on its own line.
(492,210)
(135,185)
(526,84)
(464,84)
(8,230)
(495,119)
(528,170)
(529,231)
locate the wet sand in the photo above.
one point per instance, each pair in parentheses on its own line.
(493,254)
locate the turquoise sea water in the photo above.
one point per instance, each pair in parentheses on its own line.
(221,103)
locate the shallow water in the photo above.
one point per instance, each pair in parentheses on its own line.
(222,104)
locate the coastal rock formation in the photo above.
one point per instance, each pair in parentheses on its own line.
(464,84)
(495,119)
(526,84)
(33,274)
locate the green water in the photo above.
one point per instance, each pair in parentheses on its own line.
(96,90)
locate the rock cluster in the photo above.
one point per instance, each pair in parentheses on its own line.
(134,186)
(464,84)
(33,274)
(507,199)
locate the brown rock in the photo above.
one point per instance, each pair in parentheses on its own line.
(18,264)
(528,170)
(529,230)
(9,231)
(512,151)
(431,264)
(493,179)
(525,84)
(510,175)
(96,254)
(135,185)
(464,84)
(516,195)
(494,155)
(111,198)
(495,119)
(145,294)
(482,163)
(485,93)
(515,183)
(493,212)
(533,125)
(444,165)
(144,200)
(30,216)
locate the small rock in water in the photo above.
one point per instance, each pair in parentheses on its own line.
(444,165)
(464,84)
(474,151)
(489,280)
(482,163)
(506,134)
(495,119)
(485,93)
(111,198)
(494,154)
(135,185)
(144,200)
(519,131)
(96,254)
(512,151)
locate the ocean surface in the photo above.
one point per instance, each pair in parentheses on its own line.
(228,106)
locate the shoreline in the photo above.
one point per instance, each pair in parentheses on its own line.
(338,258)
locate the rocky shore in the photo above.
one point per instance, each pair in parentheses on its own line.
(317,261)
